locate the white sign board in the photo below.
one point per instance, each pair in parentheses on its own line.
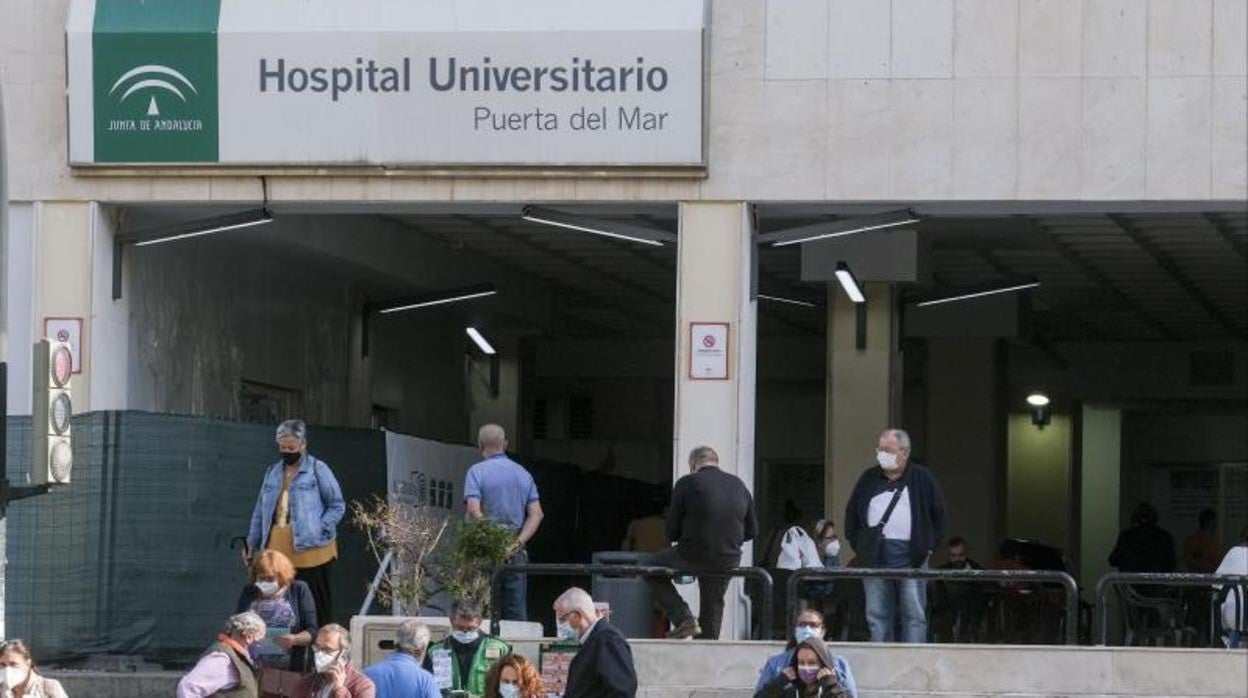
(708,351)
(374,83)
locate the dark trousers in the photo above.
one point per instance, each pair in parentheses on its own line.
(710,590)
(317,579)
(514,602)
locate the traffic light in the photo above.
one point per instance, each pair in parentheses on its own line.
(51,438)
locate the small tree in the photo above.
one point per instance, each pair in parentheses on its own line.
(412,533)
(480,546)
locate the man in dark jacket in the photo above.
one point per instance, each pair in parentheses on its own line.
(603,666)
(894,519)
(711,515)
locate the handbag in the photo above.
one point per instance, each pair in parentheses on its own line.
(867,547)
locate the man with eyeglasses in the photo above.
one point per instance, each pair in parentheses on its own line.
(336,675)
(894,519)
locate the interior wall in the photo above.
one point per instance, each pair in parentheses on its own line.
(1099,471)
(963,424)
(416,368)
(1038,488)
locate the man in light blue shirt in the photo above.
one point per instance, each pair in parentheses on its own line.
(501,490)
(400,675)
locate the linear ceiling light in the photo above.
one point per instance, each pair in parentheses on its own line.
(620,231)
(979,294)
(790,301)
(846,226)
(850,283)
(205,226)
(441,298)
(480,341)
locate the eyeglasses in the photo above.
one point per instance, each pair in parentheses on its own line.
(809,624)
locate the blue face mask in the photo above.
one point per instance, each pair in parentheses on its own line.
(804,633)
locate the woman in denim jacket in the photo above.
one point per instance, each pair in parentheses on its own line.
(297,513)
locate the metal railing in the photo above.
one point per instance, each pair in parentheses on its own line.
(1174,579)
(584,570)
(1067,582)
(376,583)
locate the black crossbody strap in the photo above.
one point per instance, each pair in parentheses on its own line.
(891,505)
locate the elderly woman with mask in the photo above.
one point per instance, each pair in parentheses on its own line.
(225,667)
(297,514)
(20,680)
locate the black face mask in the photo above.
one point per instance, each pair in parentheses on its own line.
(290,458)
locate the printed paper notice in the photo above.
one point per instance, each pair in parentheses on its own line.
(708,351)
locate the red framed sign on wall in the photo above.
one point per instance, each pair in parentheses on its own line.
(708,351)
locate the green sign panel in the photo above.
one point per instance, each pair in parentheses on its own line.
(155,80)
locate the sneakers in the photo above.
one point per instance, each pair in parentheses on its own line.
(687,629)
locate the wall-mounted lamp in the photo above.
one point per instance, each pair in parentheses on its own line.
(488,349)
(1039,404)
(853,289)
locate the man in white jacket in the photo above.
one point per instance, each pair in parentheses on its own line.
(1235,605)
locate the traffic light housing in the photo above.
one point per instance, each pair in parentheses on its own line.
(52,447)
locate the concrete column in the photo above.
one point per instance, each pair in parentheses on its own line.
(713,285)
(1100,465)
(62,280)
(860,395)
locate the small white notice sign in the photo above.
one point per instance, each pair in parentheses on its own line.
(708,351)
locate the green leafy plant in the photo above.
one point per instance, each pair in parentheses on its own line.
(480,546)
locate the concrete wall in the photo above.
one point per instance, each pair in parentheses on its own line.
(816,100)
(1100,470)
(1038,484)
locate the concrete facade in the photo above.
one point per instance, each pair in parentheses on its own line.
(825,100)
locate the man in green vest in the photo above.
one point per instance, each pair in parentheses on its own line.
(460,661)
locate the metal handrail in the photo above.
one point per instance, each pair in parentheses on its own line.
(1051,576)
(575,569)
(1177,579)
(376,583)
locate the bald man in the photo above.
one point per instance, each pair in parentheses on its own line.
(501,490)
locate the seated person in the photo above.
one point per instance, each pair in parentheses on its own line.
(225,668)
(810,673)
(808,625)
(336,675)
(20,677)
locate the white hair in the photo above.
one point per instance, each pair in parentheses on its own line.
(903,439)
(577,599)
(244,625)
(412,636)
(294,428)
(344,637)
(491,436)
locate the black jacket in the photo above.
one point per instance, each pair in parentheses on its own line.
(712,514)
(928,520)
(1144,548)
(603,666)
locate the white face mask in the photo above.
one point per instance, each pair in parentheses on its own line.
(15,676)
(465,637)
(508,690)
(804,633)
(324,660)
(267,588)
(887,461)
(566,632)
(832,548)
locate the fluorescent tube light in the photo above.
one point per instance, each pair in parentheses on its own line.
(790,301)
(442,298)
(979,294)
(480,341)
(207,226)
(848,226)
(619,231)
(848,282)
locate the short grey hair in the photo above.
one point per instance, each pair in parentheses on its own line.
(903,439)
(244,625)
(412,636)
(577,599)
(344,637)
(467,608)
(491,436)
(295,428)
(703,455)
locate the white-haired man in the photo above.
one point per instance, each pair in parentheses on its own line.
(501,490)
(894,519)
(711,515)
(603,666)
(225,668)
(297,514)
(401,675)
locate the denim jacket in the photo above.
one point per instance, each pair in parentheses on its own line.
(316,505)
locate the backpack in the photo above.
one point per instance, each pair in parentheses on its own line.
(798,550)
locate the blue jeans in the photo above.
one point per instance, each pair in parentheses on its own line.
(892,600)
(513,604)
